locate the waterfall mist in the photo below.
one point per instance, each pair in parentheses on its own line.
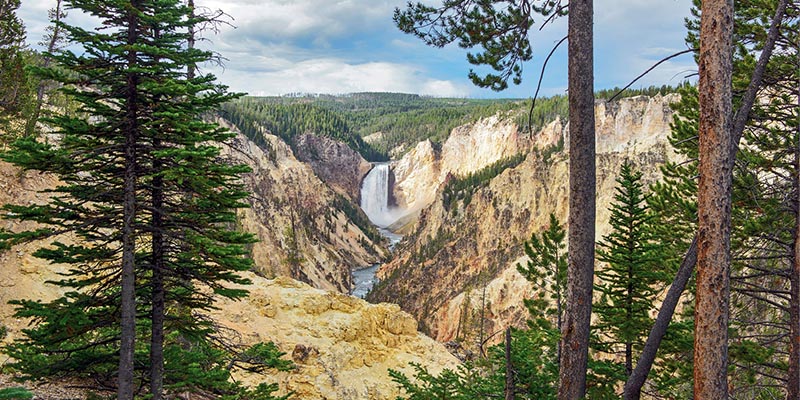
(375,197)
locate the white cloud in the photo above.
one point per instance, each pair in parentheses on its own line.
(338,76)
(320,20)
(338,46)
(34,15)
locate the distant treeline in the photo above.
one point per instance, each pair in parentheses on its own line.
(253,116)
(403,119)
(606,94)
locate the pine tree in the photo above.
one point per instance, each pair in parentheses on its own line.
(547,271)
(629,283)
(150,199)
(758,337)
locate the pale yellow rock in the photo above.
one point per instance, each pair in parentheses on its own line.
(345,346)
(421,171)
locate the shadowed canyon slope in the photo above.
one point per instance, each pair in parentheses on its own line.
(461,256)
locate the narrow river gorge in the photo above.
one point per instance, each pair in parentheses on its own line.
(375,195)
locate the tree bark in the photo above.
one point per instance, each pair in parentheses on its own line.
(191,68)
(714,201)
(633,386)
(575,332)
(509,367)
(125,386)
(158,294)
(793,378)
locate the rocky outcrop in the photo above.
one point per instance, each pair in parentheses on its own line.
(341,167)
(458,266)
(417,176)
(21,274)
(342,347)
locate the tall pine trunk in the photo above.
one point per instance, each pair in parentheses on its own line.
(509,386)
(580,272)
(192,39)
(793,378)
(158,265)
(125,384)
(714,201)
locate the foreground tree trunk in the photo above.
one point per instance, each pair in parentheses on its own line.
(191,40)
(125,386)
(714,201)
(575,332)
(158,292)
(793,379)
(633,386)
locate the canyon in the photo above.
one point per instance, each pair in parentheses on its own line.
(452,277)
(458,264)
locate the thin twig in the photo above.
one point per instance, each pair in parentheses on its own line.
(557,12)
(539,86)
(650,69)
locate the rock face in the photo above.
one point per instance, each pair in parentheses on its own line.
(458,267)
(469,148)
(334,162)
(302,231)
(342,347)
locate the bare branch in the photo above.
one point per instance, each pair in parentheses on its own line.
(650,69)
(539,85)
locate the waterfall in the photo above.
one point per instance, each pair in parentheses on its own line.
(375,196)
(375,203)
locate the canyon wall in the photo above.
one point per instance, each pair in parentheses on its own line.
(458,265)
(299,220)
(421,171)
(336,164)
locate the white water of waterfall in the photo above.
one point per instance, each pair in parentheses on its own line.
(375,196)
(375,203)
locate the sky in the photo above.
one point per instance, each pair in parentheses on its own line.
(276,47)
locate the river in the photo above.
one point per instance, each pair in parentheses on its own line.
(375,203)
